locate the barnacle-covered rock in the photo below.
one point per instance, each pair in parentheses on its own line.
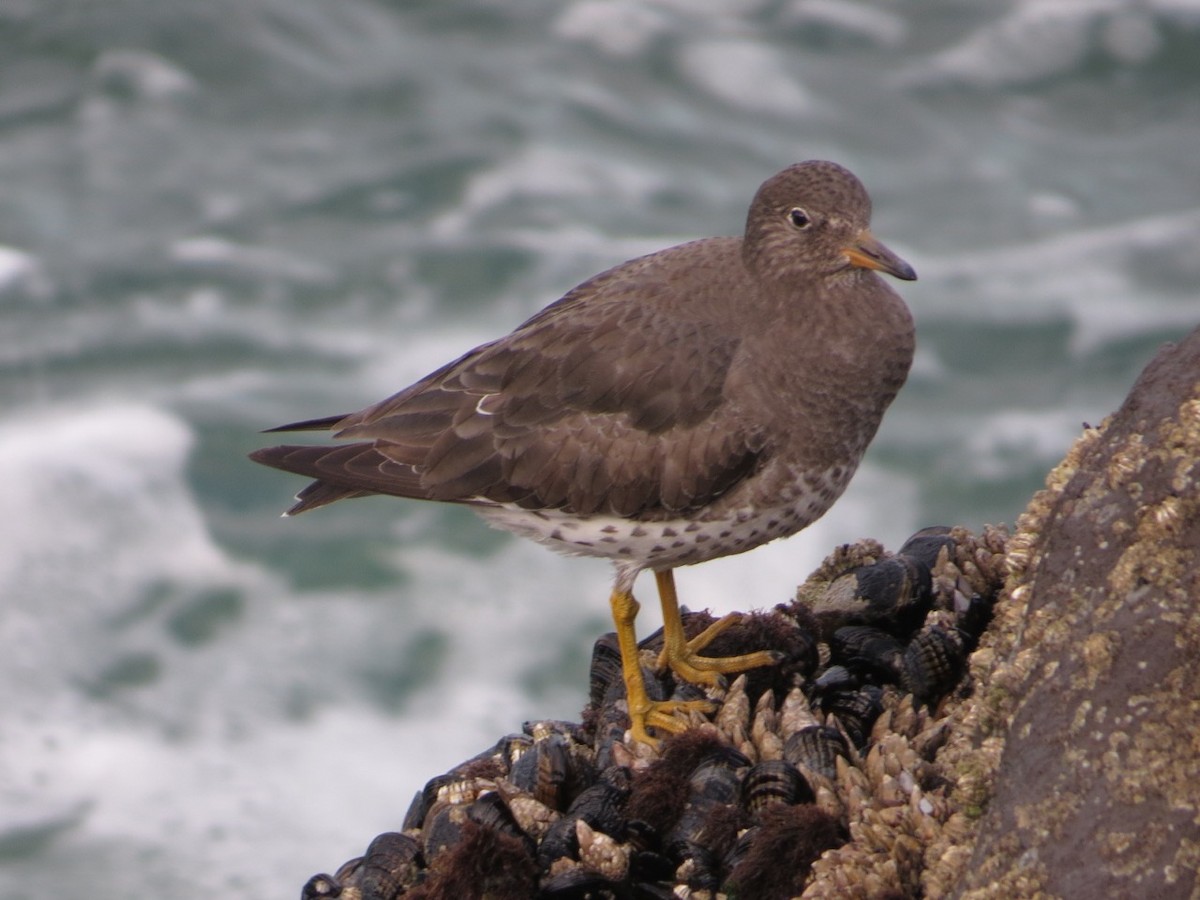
(468,777)
(714,789)
(600,806)
(819,763)
(605,678)
(816,749)
(1091,668)
(929,546)
(532,816)
(392,864)
(442,828)
(733,719)
(776,856)
(855,711)
(774,782)
(490,811)
(319,887)
(869,652)
(932,664)
(547,771)
(892,593)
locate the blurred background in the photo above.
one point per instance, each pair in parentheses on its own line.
(216,217)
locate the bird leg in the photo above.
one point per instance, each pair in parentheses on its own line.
(644,712)
(683,656)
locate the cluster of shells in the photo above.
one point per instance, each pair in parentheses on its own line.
(813,778)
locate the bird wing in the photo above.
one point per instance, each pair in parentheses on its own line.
(611,400)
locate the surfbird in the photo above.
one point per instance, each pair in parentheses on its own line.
(685,405)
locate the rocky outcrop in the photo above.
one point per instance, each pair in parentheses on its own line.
(1080,751)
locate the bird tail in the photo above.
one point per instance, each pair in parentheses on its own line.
(350,470)
(326,423)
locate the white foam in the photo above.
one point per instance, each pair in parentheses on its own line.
(146,74)
(190,777)
(237,817)
(618,27)
(1039,39)
(1034,40)
(547,172)
(1014,439)
(215,252)
(1132,37)
(1088,275)
(86,480)
(508,614)
(21,270)
(746,74)
(875,24)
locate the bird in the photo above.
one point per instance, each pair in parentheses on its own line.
(689,404)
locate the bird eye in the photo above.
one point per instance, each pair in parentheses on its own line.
(799,218)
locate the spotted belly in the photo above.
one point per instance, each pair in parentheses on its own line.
(671,542)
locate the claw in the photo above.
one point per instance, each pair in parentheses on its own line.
(680,655)
(683,656)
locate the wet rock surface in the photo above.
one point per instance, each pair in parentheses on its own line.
(973,715)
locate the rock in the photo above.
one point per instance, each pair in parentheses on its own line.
(1080,757)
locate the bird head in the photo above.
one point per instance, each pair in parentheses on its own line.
(812,220)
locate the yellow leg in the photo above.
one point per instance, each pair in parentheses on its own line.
(683,656)
(644,712)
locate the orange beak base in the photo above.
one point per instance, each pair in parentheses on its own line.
(869,253)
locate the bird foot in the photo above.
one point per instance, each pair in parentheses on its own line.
(672,716)
(684,659)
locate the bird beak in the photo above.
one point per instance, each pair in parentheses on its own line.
(868,253)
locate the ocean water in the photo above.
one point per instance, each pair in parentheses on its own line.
(216,217)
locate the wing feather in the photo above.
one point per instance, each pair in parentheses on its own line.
(610,400)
